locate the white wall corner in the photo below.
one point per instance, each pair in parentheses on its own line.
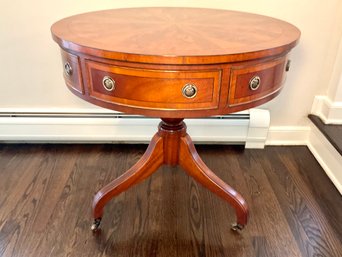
(330,112)
(259,123)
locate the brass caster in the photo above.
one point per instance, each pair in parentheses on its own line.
(94,227)
(236,227)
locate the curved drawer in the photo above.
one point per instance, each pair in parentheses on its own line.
(154,89)
(255,82)
(72,71)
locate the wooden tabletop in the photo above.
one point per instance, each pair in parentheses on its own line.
(175,35)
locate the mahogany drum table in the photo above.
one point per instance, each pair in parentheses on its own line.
(174,63)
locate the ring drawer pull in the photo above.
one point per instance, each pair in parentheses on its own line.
(288,64)
(189,91)
(254,83)
(68,69)
(108,83)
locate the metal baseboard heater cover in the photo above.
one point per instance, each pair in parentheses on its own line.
(32,126)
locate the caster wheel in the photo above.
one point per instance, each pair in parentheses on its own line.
(236,227)
(95,225)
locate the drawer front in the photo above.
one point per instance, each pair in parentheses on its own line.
(155,89)
(252,83)
(72,71)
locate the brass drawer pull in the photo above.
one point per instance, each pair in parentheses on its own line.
(189,91)
(108,83)
(68,69)
(254,83)
(288,64)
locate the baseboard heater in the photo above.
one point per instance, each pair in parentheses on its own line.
(249,127)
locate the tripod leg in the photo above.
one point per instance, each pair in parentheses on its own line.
(192,163)
(148,164)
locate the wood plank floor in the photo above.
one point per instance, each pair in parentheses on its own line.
(46,193)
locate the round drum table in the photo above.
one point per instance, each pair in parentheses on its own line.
(174,63)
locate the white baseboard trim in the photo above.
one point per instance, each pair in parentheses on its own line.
(329,112)
(327,156)
(288,135)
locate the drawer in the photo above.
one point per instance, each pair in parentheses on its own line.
(154,89)
(72,71)
(255,82)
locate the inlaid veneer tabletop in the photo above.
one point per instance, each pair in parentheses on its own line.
(175,35)
(174,63)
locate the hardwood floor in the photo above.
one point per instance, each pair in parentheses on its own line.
(46,193)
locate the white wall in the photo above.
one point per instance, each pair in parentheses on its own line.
(334,91)
(30,65)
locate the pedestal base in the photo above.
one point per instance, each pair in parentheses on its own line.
(173,146)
